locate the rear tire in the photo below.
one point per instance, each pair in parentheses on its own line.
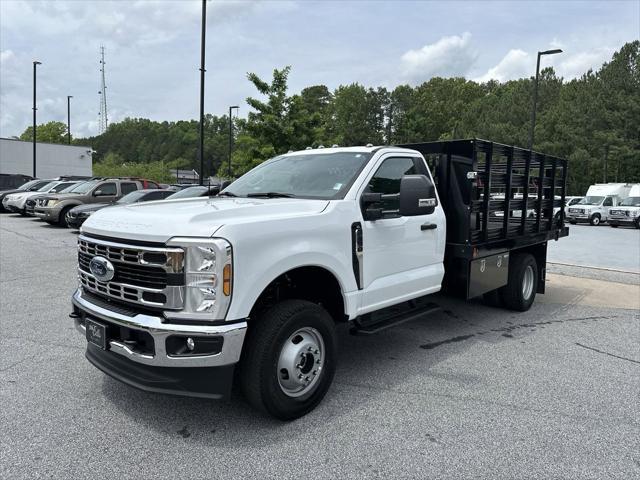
(637,223)
(520,291)
(572,222)
(283,349)
(613,226)
(595,219)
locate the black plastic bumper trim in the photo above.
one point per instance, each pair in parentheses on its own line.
(203,382)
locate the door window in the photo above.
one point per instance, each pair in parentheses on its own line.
(387,179)
(608,202)
(108,189)
(128,187)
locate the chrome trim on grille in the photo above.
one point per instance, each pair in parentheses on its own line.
(233,335)
(169,260)
(133,254)
(174,295)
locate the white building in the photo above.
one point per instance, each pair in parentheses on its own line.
(52,160)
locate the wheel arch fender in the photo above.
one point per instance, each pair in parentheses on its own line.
(319,266)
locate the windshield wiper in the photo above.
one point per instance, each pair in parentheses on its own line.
(270,195)
(227,194)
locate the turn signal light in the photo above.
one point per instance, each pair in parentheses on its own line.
(226,280)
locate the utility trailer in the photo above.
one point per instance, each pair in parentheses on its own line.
(481,184)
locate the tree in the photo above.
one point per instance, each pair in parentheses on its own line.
(50,132)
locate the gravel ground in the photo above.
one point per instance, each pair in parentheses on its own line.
(470,392)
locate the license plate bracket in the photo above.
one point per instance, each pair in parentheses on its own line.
(96,333)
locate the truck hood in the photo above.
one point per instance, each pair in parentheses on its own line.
(62,196)
(192,217)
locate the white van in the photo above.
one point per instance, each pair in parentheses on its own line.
(594,207)
(628,212)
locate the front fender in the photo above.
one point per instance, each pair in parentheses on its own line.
(262,252)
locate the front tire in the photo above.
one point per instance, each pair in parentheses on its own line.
(520,291)
(595,219)
(289,359)
(62,219)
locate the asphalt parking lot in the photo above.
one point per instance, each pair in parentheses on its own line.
(470,392)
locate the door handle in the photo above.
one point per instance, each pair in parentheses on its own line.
(428,226)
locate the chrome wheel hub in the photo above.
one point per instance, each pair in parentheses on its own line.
(300,363)
(527,282)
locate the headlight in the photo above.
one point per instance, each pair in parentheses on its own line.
(51,203)
(208,278)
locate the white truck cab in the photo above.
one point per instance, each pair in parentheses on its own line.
(627,213)
(175,296)
(594,207)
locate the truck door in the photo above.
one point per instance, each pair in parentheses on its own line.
(606,204)
(402,256)
(105,192)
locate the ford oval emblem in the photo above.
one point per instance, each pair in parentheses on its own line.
(101,268)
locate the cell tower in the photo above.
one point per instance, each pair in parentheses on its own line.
(103,117)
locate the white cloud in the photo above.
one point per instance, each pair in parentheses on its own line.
(574,65)
(569,65)
(5,56)
(448,57)
(515,64)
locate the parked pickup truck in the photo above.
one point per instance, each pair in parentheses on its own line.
(183,296)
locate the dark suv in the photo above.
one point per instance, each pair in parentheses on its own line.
(54,208)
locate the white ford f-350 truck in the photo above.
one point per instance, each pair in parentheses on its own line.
(188,296)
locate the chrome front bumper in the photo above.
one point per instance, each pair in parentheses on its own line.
(232,334)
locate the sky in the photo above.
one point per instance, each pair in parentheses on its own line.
(152,49)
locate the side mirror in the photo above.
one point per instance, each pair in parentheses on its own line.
(371,206)
(417,196)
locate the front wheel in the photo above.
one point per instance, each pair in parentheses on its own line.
(520,290)
(595,219)
(62,219)
(289,359)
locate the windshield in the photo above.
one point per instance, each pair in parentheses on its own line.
(47,187)
(132,197)
(631,202)
(591,200)
(316,175)
(188,193)
(68,188)
(61,187)
(28,185)
(84,187)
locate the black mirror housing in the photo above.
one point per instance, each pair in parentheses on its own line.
(417,195)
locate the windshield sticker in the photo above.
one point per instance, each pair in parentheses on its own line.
(337,186)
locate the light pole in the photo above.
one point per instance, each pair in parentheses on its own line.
(535,93)
(35,64)
(231,136)
(69,97)
(202,70)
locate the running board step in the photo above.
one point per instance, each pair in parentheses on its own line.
(365,326)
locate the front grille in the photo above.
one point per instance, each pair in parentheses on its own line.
(150,276)
(142,275)
(620,213)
